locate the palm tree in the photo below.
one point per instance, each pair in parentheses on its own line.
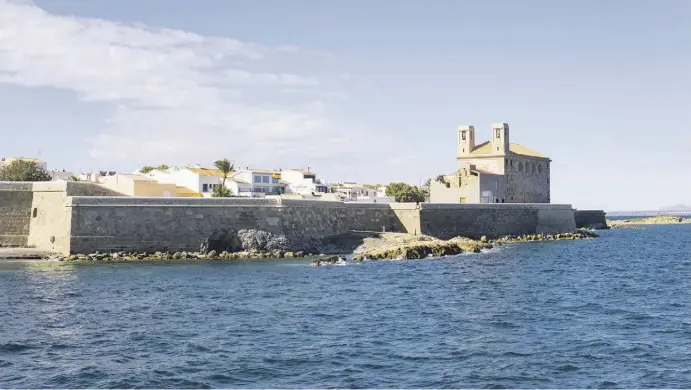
(225,166)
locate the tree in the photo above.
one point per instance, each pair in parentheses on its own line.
(226,167)
(402,192)
(24,170)
(222,192)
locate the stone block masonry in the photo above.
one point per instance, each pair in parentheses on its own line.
(15,213)
(52,218)
(493,220)
(591,219)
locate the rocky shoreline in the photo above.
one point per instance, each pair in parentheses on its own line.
(420,247)
(656,220)
(381,246)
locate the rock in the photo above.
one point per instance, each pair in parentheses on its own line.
(329,260)
(483,239)
(177,256)
(299,254)
(211,254)
(289,254)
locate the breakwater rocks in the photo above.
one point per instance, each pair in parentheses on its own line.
(397,247)
(657,220)
(211,255)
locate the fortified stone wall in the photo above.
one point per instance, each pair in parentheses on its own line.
(15,213)
(590,219)
(176,224)
(493,220)
(51,219)
(377,217)
(163,224)
(82,224)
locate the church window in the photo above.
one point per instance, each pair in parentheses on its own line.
(498,133)
(539,168)
(463,135)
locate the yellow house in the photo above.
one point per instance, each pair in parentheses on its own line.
(137,185)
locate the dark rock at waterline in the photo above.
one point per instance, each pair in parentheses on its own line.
(231,240)
(329,260)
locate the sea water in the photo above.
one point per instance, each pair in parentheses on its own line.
(610,312)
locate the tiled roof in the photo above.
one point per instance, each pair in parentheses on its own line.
(520,149)
(483,148)
(486,148)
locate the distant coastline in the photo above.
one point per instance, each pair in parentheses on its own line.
(627,214)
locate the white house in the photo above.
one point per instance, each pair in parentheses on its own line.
(199,180)
(259,182)
(302,182)
(353,192)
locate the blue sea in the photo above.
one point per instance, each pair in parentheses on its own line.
(610,312)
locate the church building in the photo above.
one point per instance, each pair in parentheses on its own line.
(496,171)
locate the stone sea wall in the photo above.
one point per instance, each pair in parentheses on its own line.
(590,219)
(15,213)
(445,221)
(73,218)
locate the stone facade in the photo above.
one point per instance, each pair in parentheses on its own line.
(495,171)
(15,213)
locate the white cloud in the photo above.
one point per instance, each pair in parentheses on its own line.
(179,97)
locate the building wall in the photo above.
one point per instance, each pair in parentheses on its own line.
(469,191)
(528,179)
(15,213)
(492,188)
(152,188)
(491,164)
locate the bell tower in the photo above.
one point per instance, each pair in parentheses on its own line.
(500,138)
(466,140)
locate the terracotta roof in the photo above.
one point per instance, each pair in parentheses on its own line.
(483,148)
(520,149)
(486,148)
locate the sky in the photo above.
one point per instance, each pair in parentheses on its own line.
(366,91)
